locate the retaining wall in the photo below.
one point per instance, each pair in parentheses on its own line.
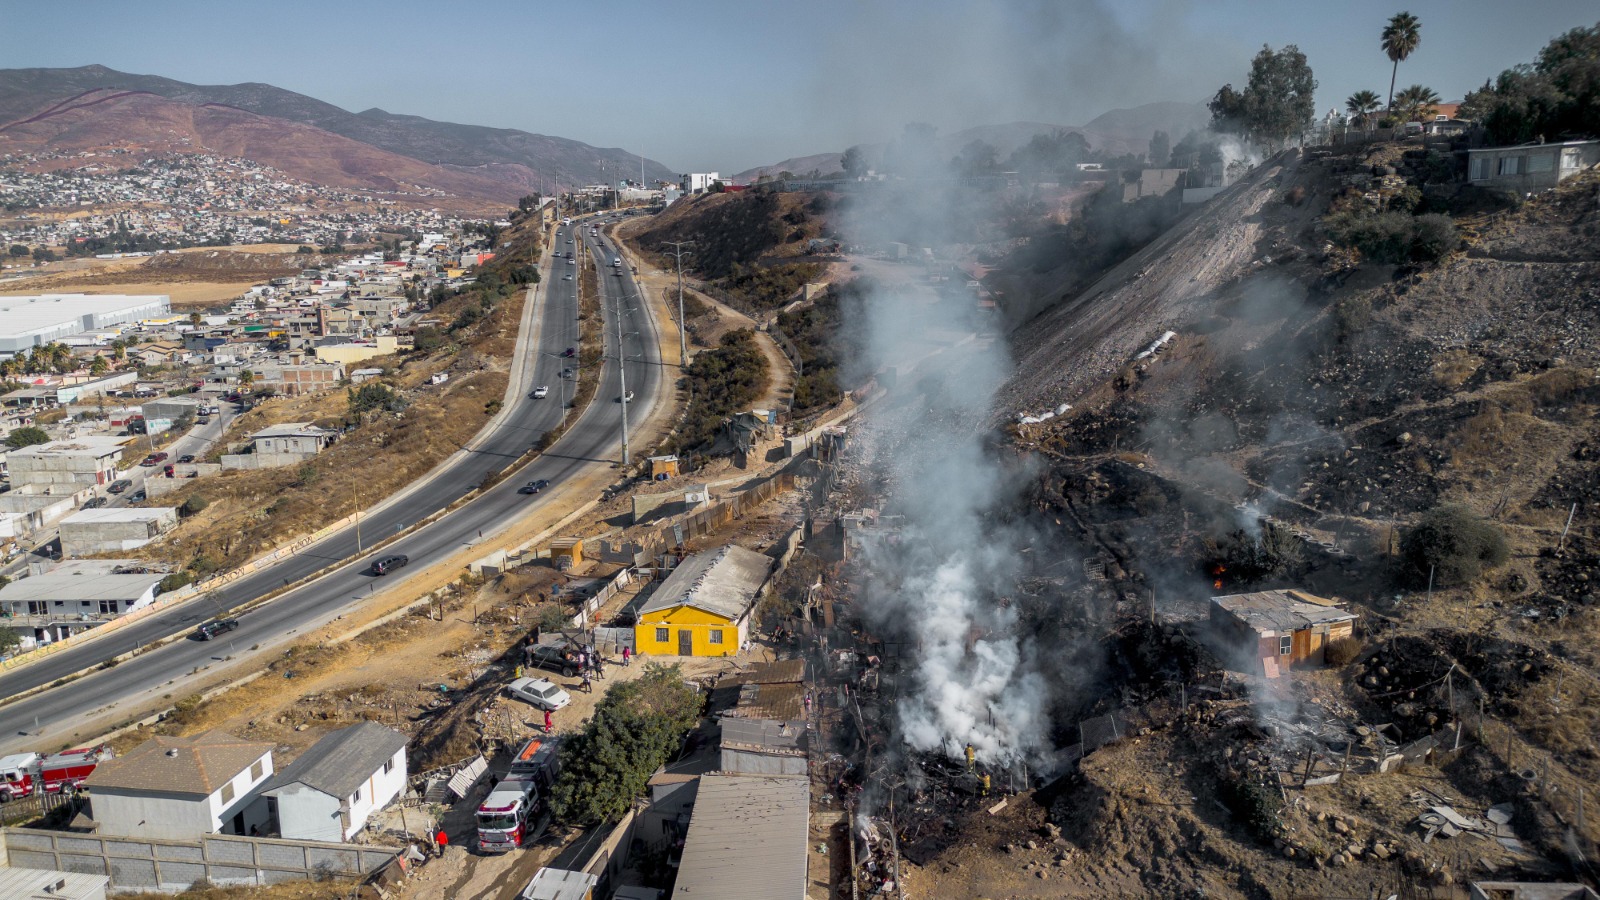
(145,864)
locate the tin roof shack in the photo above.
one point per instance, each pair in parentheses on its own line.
(80,461)
(763,717)
(1270,631)
(329,791)
(181,788)
(173,408)
(1530,167)
(75,597)
(747,839)
(110,530)
(703,607)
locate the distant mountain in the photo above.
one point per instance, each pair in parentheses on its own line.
(514,158)
(1116,132)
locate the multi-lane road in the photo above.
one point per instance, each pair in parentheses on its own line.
(49,717)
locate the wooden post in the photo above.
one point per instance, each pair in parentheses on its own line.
(1344,764)
(1310,759)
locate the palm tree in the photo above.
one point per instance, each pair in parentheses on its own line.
(1400,37)
(1361,105)
(1415,103)
(119,350)
(99,366)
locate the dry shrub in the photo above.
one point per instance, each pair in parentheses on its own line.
(1342,652)
(1559,385)
(1455,367)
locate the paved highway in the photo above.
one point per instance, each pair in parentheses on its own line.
(593,440)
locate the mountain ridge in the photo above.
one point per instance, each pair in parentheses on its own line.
(523,160)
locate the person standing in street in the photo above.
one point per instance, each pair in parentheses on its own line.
(441,841)
(626,653)
(549,722)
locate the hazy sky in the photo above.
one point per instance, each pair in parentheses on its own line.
(722,86)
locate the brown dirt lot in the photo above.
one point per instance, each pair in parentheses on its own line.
(196,277)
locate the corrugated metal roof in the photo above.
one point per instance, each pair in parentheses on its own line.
(722,583)
(342,761)
(747,839)
(200,765)
(762,735)
(29,884)
(1281,611)
(771,701)
(767,673)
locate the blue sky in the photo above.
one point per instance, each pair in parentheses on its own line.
(724,86)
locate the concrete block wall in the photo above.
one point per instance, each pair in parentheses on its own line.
(135,864)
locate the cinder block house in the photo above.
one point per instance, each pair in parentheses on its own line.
(181,788)
(329,791)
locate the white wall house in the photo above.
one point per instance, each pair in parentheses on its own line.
(181,788)
(329,792)
(697,182)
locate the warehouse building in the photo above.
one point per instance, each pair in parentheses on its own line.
(37,319)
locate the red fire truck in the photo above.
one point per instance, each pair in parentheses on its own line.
(22,774)
(507,817)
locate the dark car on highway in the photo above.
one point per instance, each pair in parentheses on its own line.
(186,458)
(389,563)
(138,496)
(211,629)
(534,487)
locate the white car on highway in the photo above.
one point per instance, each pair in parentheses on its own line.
(541,392)
(540,692)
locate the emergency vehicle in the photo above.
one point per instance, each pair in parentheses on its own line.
(507,817)
(24,774)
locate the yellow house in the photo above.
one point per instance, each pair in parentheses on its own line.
(703,607)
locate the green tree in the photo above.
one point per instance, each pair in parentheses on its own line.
(10,640)
(246,378)
(1400,37)
(98,366)
(1160,149)
(1361,105)
(634,731)
(1453,544)
(19,250)
(1415,104)
(1277,103)
(26,436)
(853,162)
(1559,94)
(374,395)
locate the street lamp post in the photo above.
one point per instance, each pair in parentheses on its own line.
(622,370)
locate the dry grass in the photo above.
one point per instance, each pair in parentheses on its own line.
(1455,367)
(293,890)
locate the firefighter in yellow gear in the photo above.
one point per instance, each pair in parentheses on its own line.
(971,757)
(983,785)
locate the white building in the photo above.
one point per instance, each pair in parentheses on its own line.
(75,596)
(111,530)
(75,462)
(330,791)
(38,319)
(181,788)
(697,183)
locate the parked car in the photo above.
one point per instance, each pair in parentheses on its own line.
(554,659)
(95,503)
(534,487)
(541,692)
(120,485)
(154,459)
(137,496)
(211,629)
(186,459)
(541,392)
(389,563)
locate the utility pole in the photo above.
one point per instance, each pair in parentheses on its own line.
(683,328)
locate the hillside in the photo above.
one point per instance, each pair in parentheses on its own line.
(101,119)
(1118,132)
(1404,424)
(516,159)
